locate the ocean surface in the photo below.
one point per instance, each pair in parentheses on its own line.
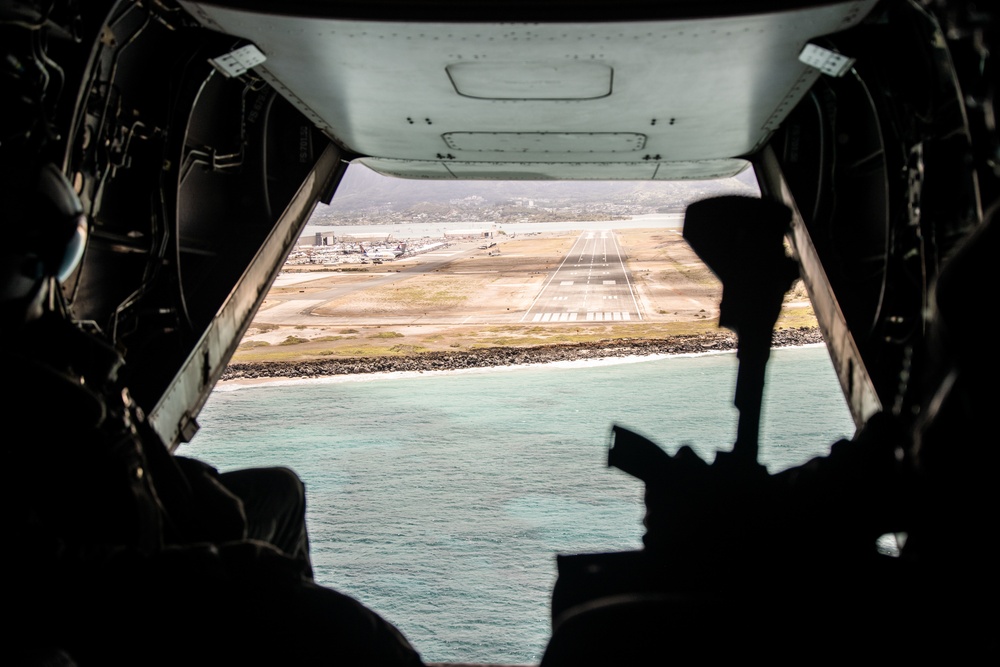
(441,499)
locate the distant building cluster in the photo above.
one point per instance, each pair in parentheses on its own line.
(330,248)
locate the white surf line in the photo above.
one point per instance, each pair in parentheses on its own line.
(551,276)
(628,280)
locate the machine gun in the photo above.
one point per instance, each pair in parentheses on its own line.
(741,240)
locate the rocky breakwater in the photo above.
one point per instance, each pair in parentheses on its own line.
(510,356)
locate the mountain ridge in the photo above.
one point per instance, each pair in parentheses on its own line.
(365,196)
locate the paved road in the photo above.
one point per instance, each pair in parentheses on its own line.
(591,285)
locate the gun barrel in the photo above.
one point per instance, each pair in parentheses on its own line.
(636,455)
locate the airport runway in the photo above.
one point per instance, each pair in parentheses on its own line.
(591,285)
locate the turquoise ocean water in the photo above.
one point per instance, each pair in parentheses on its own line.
(441,499)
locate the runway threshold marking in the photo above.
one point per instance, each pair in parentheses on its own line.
(555,317)
(608,316)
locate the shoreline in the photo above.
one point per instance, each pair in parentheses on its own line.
(487,357)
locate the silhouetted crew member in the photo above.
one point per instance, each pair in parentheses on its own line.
(119,553)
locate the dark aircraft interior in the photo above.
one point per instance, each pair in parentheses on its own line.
(161,158)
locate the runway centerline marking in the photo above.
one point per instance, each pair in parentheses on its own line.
(592,280)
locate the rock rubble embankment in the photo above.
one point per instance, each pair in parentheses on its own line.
(510,356)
